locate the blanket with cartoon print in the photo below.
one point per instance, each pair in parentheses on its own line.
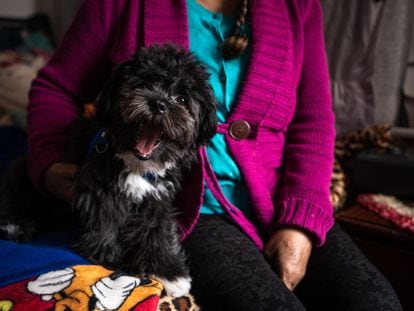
(47,275)
(82,287)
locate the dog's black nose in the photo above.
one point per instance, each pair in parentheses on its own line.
(162,106)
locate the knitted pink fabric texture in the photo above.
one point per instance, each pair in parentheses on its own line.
(287,159)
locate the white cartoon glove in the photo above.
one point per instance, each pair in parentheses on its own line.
(51,283)
(111,292)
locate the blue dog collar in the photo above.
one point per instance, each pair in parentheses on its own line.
(99,142)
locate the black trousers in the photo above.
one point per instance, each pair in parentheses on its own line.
(230,273)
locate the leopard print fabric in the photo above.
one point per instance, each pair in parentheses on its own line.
(376,136)
(338,186)
(185,303)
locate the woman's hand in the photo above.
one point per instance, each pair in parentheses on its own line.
(288,250)
(59,180)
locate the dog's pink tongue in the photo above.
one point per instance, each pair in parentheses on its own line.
(148,139)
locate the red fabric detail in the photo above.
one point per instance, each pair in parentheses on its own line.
(23,300)
(386,211)
(151,304)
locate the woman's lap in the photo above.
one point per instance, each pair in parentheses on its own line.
(229,273)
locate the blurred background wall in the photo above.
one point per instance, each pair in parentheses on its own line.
(60,11)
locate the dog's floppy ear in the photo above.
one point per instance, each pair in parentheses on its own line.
(208,119)
(107,105)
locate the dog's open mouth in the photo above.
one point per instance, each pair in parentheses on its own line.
(149,138)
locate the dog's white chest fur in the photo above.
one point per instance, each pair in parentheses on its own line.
(136,187)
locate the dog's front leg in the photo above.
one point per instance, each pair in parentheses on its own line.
(101,216)
(173,271)
(154,249)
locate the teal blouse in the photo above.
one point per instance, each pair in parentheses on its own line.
(207,32)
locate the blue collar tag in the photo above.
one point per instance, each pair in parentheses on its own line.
(99,142)
(150,177)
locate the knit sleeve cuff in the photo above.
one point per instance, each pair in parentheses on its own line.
(39,163)
(307,216)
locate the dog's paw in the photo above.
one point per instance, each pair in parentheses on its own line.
(177,288)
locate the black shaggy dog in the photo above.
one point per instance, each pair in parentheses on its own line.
(155,111)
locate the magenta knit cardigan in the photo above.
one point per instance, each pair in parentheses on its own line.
(287,159)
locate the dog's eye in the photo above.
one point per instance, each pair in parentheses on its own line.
(181,100)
